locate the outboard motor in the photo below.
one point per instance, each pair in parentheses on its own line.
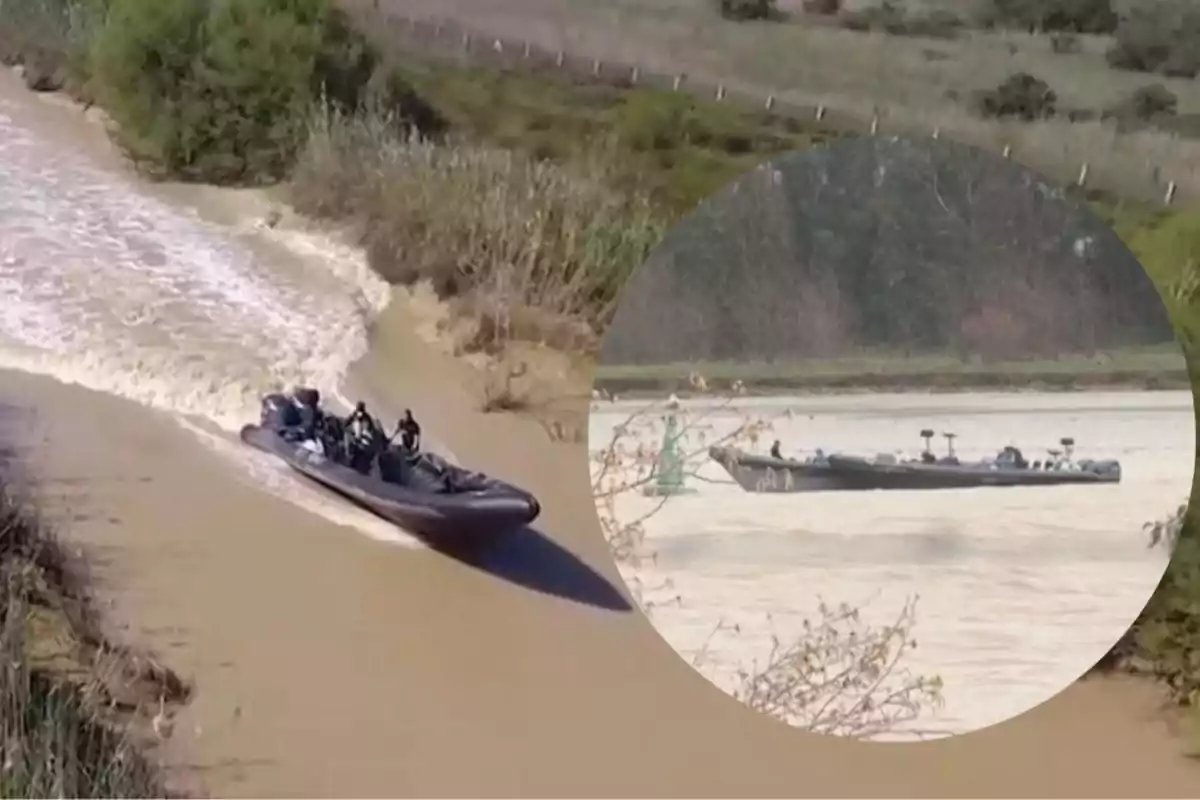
(1107,467)
(1018,458)
(278,412)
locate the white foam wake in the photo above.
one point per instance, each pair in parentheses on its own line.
(105,285)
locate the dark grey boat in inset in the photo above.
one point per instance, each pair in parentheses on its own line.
(1009,468)
(840,472)
(756,473)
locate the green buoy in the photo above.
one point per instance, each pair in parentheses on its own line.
(669,474)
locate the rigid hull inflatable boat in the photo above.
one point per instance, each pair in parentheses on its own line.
(421,492)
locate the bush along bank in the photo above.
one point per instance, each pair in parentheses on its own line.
(1164,642)
(481,181)
(79,717)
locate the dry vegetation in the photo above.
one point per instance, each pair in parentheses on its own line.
(78,716)
(529,254)
(914,82)
(1155,368)
(533,250)
(836,674)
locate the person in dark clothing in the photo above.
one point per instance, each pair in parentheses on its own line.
(362,435)
(306,414)
(360,424)
(410,432)
(775,453)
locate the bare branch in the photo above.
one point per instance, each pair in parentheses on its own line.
(839,676)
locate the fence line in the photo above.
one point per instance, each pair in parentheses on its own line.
(448,38)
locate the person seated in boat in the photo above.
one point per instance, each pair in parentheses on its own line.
(775,452)
(1011,458)
(332,437)
(410,432)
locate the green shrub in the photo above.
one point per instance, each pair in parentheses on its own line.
(1169,250)
(822,8)
(1044,16)
(49,38)
(1146,104)
(1183,125)
(1020,95)
(1065,43)
(746,10)
(654,121)
(221,91)
(1164,642)
(892,18)
(1162,38)
(664,121)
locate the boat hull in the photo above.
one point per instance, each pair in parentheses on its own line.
(489,507)
(764,474)
(858,473)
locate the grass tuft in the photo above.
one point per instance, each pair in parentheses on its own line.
(78,717)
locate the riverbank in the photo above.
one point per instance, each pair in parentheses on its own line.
(1156,369)
(84,714)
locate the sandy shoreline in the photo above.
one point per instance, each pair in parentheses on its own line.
(328,664)
(627,392)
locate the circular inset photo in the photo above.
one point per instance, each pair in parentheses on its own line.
(877,433)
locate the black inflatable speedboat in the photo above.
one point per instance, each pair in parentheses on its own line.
(1009,468)
(422,493)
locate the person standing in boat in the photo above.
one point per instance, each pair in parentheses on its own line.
(363,435)
(361,424)
(775,451)
(410,432)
